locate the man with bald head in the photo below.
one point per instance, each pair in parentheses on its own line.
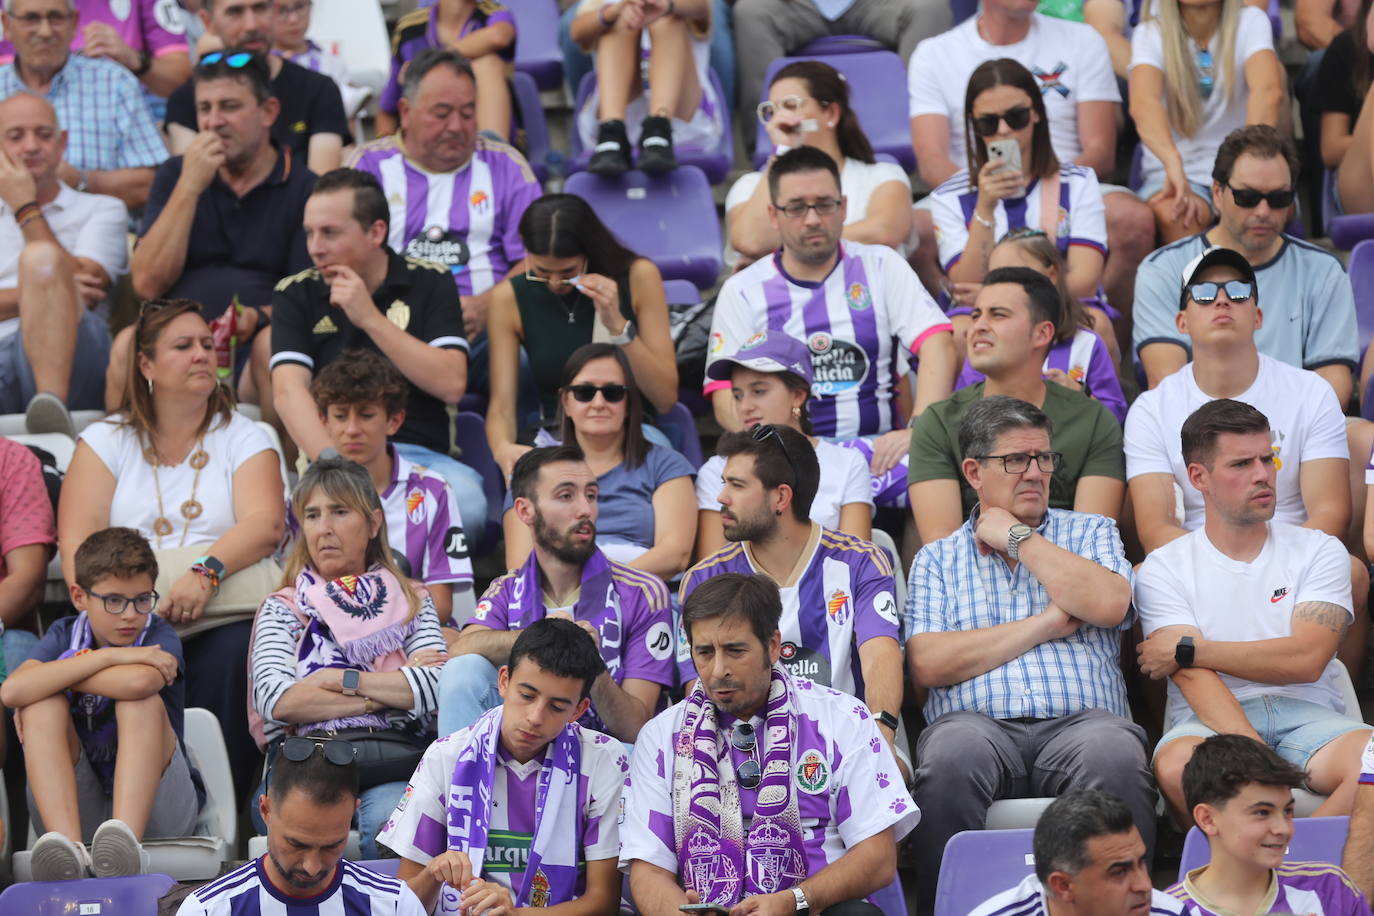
(60,251)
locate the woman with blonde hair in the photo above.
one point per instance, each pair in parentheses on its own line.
(1199,70)
(348,648)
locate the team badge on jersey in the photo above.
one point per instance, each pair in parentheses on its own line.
(838,607)
(398,313)
(539,889)
(858,297)
(813,773)
(480,201)
(415,506)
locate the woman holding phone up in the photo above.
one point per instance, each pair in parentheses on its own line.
(1014,180)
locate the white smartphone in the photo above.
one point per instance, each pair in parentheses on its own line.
(1007,152)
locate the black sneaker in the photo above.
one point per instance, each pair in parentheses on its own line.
(656,145)
(611,155)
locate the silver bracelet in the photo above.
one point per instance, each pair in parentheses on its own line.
(984,222)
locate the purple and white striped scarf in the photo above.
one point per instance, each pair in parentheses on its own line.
(551,874)
(98,732)
(715,859)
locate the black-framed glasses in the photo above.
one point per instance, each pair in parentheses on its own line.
(338,751)
(1249,198)
(1016,118)
(768,431)
(236,60)
(743,738)
(1019,462)
(583,394)
(826,206)
(115,604)
(1205,293)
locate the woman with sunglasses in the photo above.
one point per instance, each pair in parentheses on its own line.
(1078,359)
(1341,92)
(808,105)
(580,284)
(202,483)
(348,646)
(1005,113)
(644,515)
(771,384)
(1199,70)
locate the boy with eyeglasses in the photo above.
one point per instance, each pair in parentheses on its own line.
(100,712)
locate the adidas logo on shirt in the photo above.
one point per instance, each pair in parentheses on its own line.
(325,326)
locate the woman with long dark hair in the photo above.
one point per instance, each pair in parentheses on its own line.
(808,105)
(580,285)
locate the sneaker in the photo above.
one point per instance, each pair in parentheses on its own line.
(115,851)
(56,858)
(47,414)
(656,145)
(611,155)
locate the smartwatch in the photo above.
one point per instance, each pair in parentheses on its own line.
(887,718)
(1015,536)
(1183,652)
(351,677)
(799,895)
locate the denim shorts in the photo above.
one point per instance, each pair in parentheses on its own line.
(1297,729)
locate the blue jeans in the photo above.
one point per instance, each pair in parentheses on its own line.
(18,644)
(467,688)
(374,807)
(466,484)
(1295,728)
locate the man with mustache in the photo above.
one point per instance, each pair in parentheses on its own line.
(1244,614)
(625,611)
(312,792)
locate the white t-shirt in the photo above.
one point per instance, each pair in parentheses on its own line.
(844,480)
(1189,582)
(1305,422)
(87,225)
(1222,111)
(1069,59)
(135,502)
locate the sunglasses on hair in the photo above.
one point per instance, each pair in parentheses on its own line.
(765,431)
(299,748)
(744,739)
(1249,197)
(236,60)
(583,394)
(1016,118)
(1205,293)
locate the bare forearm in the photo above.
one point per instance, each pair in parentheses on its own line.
(1262,107)
(387,688)
(935,371)
(1092,593)
(160,256)
(420,882)
(880,659)
(129,185)
(1358,859)
(31,683)
(493,645)
(253,537)
(1282,660)
(655,890)
(666,559)
(301,417)
(308,703)
(623,714)
(1211,702)
(488,40)
(1162,360)
(167,73)
(951,657)
(439,372)
(1341,380)
(656,373)
(751,234)
(863,869)
(19,595)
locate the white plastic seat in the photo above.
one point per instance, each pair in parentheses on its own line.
(257,845)
(357,30)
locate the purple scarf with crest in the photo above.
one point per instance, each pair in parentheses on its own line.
(551,875)
(715,858)
(91,714)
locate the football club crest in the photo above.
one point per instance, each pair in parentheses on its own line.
(838,606)
(539,889)
(813,773)
(479,201)
(858,297)
(398,313)
(415,506)
(772,863)
(710,874)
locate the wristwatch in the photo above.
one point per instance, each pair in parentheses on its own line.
(351,677)
(799,895)
(626,335)
(886,718)
(1015,536)
(1183,652)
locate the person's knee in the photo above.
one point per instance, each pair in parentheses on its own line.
(958,746)
(148,711)
(1130,224)
(469,673)
(40,718)
(41,262)
(1170,761)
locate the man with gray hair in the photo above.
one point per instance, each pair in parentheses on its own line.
(456,198)
(1090,860)
(1013,624)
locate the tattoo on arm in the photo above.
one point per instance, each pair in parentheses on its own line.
(1332,616)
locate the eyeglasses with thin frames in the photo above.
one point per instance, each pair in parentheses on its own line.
(1019,462)
(826,206)
(533,277)
(115,604)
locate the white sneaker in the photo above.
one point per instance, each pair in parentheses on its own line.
(56,858)
(115,851)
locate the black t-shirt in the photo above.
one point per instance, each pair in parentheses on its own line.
(310,104)
(1335,89)
(417,296)
(238,246)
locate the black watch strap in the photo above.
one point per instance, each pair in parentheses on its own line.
(886,718)
(1183,652)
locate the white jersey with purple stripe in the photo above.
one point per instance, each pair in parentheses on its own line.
(843,596)
(418,829)
(1299,888)
(847,783)
(468,219)
(1081,219)
(355,891)
(854,322)
(1028,899)
(422,522)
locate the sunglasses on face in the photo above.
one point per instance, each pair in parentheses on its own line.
(583,394)
(1249,197)
(744,739)
(236,60)
(1016,118)
(1206,293)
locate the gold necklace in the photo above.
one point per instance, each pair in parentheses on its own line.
(191,509)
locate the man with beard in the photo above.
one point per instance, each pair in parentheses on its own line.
(761,792)
(859,308)
(839,618)
(625,611)
(312,792)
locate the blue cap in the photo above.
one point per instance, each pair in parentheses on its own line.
(766,351)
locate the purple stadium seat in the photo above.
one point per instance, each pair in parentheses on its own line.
(470,435)
(1362,284)
(979,864)
(386,867)
(687,439)
(132,896)
(531,118)
(1348,231)
(829,45)
(877,92)
(1315,839)
(962,9)
(669,219)
(680,292)
(715,162)
(536,45)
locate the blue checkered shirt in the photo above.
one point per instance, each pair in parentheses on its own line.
(953,587)
(100,106)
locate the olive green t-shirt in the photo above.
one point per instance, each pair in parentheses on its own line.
(1084,430)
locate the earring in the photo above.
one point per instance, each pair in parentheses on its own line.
(829,123)
(796,411)
(150,387)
